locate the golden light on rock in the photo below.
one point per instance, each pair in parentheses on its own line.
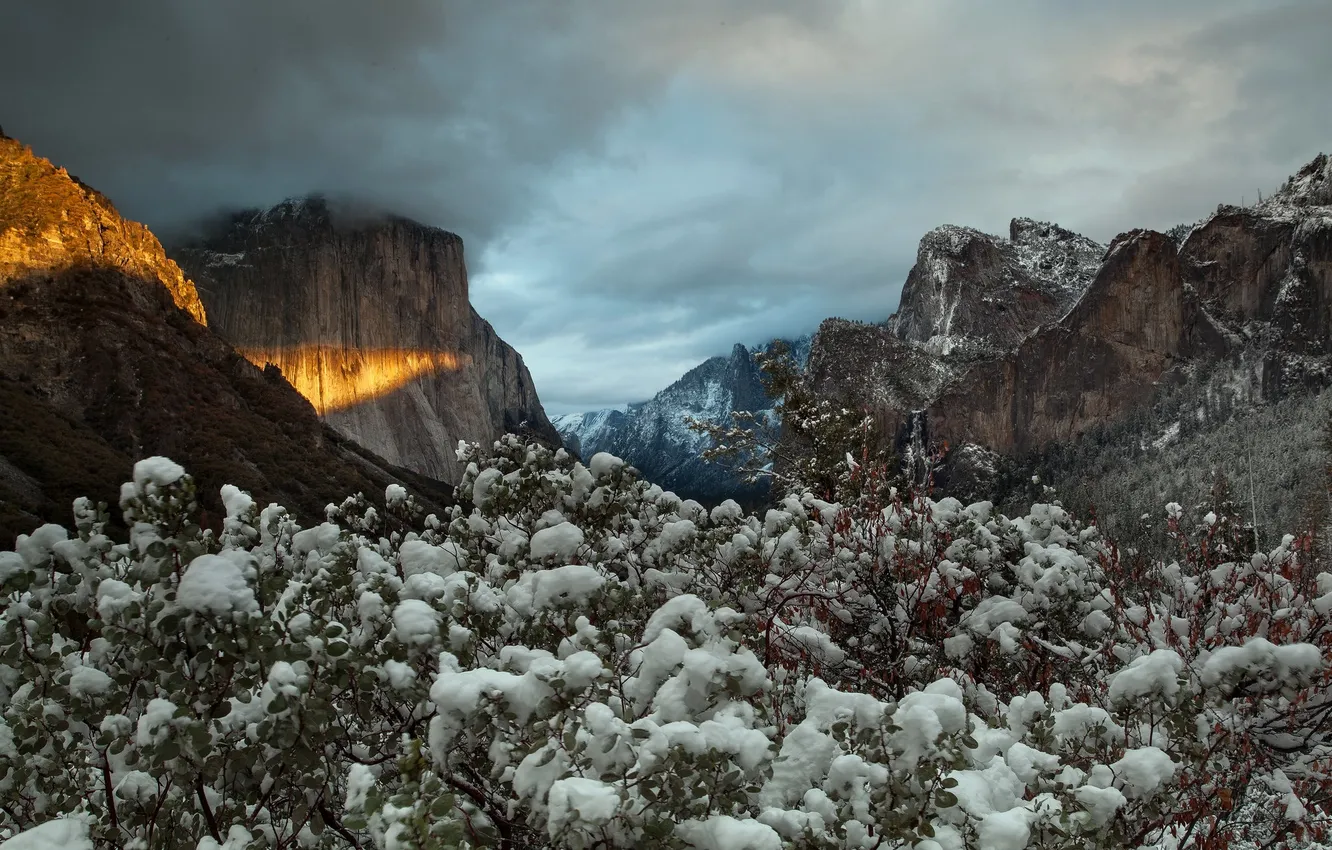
(334,378)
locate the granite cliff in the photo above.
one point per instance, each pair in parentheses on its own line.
(970,299)
(1098,362)
(1248,289)
(971,292)
(105,359)
(1247,284)
(368,317)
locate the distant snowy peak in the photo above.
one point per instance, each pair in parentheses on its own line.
(710,391)
(976,292)
(305,213)
(589,432)
(319,209)
(313,206)
(653,436)
(949,239)
(248,230)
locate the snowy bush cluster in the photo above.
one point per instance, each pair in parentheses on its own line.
(575,658)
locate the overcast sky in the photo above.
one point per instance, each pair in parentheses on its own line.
(643,183)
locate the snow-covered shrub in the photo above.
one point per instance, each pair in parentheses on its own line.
(574,658)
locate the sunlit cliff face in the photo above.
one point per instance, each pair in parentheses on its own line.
(334,378)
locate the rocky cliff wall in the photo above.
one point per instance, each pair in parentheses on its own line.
(971,292)
(104,360)
(1251,284)
(369,318)
(1104,357)
(1267,269)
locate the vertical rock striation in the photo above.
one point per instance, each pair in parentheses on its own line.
(968,302)
(369,318)
(970,292)
(1101,359)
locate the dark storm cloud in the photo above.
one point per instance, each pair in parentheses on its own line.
(443,111)
(642,184)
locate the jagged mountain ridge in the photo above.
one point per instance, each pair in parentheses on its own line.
(1247,283)
(653,436)
(1244,297)
(1010,344)
(368,316)
(51,221)
(971,292)
(104,359)
(592,431)
(970,297)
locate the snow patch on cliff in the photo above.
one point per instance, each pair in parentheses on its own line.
(964,278)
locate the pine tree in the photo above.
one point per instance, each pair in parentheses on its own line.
(808,442)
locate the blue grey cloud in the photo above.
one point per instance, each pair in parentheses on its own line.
(641,184)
